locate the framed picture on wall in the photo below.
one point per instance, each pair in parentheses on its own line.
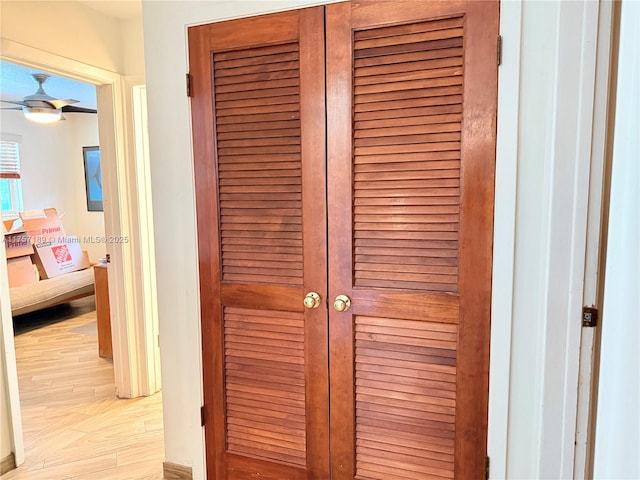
(93,178)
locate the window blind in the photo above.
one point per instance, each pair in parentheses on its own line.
(9,159)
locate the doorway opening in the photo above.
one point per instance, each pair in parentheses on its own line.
(133,319)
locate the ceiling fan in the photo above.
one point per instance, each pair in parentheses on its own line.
(44,108)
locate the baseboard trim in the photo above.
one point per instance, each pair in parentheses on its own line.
(174,471)
(8,463)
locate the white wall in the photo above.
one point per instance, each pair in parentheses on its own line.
(132,47)
(545,129)
(53,171)
(62,28)
(618,418)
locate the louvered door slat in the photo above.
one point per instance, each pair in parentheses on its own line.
(423,93)
(269,64)
(250,146)
(242,81)
(409,29)
(257,92)
(291,132)
(418,165)
(380,61)
(417,133)
(413,66)
(455,40)
(401,399)
(430,106)
(256,346)
(256,127)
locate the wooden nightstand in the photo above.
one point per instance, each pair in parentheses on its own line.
(103,311)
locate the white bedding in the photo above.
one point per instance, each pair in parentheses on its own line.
(52,291)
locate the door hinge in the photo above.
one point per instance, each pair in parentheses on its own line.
(589,316)
(202,416)
(499,50)
(486,468)
(188,84)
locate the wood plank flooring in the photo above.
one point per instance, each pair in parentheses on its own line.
(74,426)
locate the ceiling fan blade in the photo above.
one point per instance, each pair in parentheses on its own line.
(15,102)
(61,103)
(10,108)
(72,109)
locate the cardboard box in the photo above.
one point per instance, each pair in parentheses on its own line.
(59,255)
(12,224)
(17,244)
(42,225)
(21,271)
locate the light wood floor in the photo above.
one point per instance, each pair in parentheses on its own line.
(74,426)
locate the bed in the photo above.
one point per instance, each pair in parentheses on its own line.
(52,291)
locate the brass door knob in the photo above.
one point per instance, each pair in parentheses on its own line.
(342,303)
(312,300)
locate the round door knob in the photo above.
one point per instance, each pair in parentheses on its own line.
(312,300)
(342,303)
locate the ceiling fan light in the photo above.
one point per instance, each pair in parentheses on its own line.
(42,115)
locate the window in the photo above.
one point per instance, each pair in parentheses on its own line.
(10,183)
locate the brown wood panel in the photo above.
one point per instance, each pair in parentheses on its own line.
(259,89)
(432,106)
(103,311)
(263,30)
(423,94)
(367,13)
(241,68)
(413,33)
(408,342)
(267,74)
(380,61)
(263,54)
(235,184)
(408,30)
(275,436)
(206,187)
(243,467)
(391,69)
(398,220)
(339,183)
(476,234)
(314,188)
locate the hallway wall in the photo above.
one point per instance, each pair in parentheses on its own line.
(618,417)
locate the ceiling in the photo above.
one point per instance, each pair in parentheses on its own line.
(120,9)
(16,83)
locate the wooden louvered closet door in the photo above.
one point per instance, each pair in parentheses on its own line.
(259,144)
(410,235)
(387,199)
